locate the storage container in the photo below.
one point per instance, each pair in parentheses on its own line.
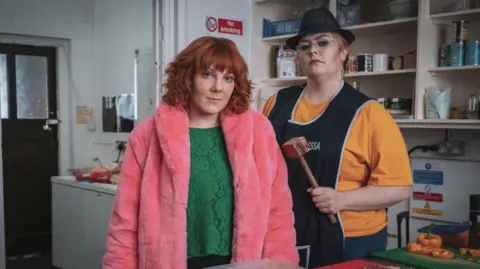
(279,28)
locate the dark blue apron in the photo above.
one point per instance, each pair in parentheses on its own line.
(319,243)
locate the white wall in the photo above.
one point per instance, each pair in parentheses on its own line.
(101,36)
(121,27)
(191,21)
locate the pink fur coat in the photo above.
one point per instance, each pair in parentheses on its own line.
(147,229)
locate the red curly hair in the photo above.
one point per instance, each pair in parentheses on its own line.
(201,54)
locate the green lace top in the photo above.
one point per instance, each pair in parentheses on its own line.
(210,195)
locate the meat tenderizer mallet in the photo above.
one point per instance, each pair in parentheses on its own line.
(295,148)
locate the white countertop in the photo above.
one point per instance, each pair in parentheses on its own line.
(98,187)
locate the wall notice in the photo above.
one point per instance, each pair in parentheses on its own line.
(223,26)
(427,199)
(211,24)
(427,210)
(83,114)
(227,26)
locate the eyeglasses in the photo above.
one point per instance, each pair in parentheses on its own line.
(320,43)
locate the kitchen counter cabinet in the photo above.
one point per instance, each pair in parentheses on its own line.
(80,216)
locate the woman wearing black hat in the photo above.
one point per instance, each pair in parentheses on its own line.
(358,154)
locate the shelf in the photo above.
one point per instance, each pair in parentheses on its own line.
(384,26)
(469,14)
(439,124)
(277,39)
(284,81)
(394,37)
(384,73)
(293,80)
(454,68)
(376,27)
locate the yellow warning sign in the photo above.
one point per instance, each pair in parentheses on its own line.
(427,211)
(427,206)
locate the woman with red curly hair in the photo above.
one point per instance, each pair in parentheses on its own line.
(203,181)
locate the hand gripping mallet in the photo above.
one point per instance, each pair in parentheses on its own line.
(295,148)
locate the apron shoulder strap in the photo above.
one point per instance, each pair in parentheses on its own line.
(285,101)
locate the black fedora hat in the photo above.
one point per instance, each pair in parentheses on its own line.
(319,20)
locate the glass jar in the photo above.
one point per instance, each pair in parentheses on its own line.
(472,107)
(395,103)
(382,101)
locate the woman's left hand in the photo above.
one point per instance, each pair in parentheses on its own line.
(327,200)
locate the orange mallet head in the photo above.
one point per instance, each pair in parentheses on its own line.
(296,147)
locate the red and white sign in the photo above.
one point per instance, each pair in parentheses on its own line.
(431,197)
(211,24)
(226,26)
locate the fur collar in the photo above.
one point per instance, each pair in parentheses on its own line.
(172,128)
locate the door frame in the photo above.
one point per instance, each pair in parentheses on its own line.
(65,86)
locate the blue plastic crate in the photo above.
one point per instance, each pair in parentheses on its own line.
(279,28)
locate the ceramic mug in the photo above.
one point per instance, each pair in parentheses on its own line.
(380,62)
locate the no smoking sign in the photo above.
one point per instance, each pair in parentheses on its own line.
(224,26)
(211,24)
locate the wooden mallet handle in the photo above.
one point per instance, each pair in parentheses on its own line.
(295,148)
(314,183)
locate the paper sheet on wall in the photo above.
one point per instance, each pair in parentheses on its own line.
(427,198)
(83,114)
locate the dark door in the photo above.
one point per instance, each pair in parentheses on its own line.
(30,145)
